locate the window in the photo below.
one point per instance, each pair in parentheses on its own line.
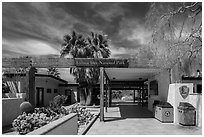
(154,87)
(199,88)
(49,90)
(55,91)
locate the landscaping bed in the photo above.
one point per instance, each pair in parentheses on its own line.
(82,130)
(28,122)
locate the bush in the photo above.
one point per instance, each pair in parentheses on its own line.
(58,100)
(28,122)
(26,107)
(84,116)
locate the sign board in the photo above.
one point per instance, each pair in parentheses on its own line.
(52,62)
(45,62)
(119,63)
(16,62)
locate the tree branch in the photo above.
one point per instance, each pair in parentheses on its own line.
(182,28)
(184,9)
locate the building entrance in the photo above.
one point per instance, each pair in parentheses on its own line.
(40,97)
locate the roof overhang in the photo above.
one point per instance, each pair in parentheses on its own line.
(131,74)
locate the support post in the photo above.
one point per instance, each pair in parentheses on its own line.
(106,89)
(30,83)
(142,94)
(108,93)
(134,96)
(101,94)
(110,101)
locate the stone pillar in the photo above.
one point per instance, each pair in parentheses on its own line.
(30,83)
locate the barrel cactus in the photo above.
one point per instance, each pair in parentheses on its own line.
(26,107)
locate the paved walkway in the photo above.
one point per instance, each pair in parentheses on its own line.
(131,119)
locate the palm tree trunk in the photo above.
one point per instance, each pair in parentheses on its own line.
(82,96)
(89,96)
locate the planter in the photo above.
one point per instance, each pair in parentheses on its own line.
(66,125)
(87,127)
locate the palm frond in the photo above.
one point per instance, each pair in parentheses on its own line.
(95,46)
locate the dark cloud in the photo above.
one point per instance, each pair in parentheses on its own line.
(43,25)
(136,9)
(127,43)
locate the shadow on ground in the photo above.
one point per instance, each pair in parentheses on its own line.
(130,110)
(7,129)
(110,119)
(134,111)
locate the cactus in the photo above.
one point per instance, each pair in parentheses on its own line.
(26,107)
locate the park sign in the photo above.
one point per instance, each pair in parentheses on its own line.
(102,62)
(45,62)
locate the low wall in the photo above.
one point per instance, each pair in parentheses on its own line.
(66,125)
(175,96)
(196,101)
(10,110)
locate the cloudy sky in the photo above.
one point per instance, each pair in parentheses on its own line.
(38,28)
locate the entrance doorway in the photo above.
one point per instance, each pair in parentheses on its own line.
(134,95)
(40,97)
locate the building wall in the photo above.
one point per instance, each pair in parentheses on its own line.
(196,101)
(23,84)
(40,82)
(175,97)
(47,83)
(163,86)
(163,90)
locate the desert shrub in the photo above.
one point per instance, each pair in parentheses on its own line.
(84,116)
(56,105)
(58,101)
(28,122)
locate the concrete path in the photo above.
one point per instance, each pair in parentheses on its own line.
(132,119)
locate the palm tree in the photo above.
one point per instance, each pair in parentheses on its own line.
(98,44)
(53,71)
(95,46)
